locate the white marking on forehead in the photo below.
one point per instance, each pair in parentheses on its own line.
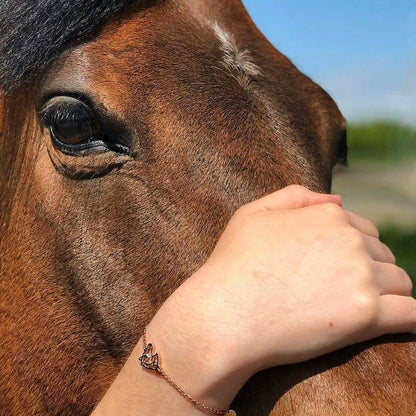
(239,62)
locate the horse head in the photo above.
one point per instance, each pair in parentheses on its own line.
(124,153)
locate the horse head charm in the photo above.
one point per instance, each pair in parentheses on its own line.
(148,359)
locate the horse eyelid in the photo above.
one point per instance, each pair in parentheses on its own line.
(115,132)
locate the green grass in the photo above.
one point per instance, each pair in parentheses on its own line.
(383,141)
(403,245)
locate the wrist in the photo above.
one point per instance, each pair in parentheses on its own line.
(190,350)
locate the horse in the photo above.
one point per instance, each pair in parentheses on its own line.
(131,131)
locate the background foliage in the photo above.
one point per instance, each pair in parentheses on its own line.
(380,183)
(382,141)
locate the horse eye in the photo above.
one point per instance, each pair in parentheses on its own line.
(74,126)
(76,130)
(71,123)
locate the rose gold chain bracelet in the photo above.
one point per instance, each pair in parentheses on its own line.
(150,361)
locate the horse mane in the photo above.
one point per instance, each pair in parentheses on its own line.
(34,32)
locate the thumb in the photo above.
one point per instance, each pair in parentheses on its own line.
(291,197)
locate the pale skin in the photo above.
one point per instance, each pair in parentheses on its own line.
(285,270)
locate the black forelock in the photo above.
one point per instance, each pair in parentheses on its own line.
(34,32)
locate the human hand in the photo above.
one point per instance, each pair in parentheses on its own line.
(286,282)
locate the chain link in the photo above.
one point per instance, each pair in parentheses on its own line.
(181,391)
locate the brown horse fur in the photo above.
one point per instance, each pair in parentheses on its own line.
(91,246)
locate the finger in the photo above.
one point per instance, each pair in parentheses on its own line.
(378,250)
(392,279)
(291,197)
(397,314)
(362,224)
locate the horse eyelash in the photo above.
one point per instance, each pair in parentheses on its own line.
(56,113)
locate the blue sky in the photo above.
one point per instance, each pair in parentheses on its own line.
(362,52)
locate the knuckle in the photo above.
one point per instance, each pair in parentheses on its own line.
(298,189)
(364,309)
(389,253)
(353,237)
(297,192)
(333,210)
(407,281)
(373,226)
(362,274)
(302,193)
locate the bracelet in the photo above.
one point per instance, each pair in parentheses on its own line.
(150,361)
